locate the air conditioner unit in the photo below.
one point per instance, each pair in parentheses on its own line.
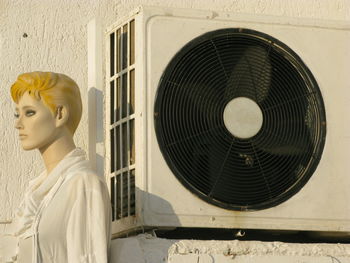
(226,120)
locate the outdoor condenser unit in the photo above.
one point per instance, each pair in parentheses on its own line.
(225,120)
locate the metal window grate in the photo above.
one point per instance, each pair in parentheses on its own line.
(122,120)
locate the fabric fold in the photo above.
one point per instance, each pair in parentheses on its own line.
(38,195)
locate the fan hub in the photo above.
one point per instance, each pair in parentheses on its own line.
(243,117)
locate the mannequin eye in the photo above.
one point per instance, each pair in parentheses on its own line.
(16,115)
(30,113)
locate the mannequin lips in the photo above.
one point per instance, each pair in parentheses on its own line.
(22,136)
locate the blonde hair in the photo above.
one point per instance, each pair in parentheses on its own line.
(54,89)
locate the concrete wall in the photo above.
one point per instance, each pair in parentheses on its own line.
(51,35)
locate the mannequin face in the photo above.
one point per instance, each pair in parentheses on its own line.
(36,124)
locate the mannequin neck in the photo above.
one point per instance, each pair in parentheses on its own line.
(52,154)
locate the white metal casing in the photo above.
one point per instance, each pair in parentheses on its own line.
(162,201)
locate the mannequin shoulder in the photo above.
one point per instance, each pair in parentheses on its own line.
(86,179)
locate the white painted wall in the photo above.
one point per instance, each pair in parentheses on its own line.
(57,41)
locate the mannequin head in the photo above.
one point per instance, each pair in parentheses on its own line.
(54,90)
(48,111)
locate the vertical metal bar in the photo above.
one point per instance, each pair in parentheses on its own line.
(132,141)
(115,53)
(112,101)
(120,148)
(118,49)
(121,195)
(132,194)
(127,79)
(116,196)
(132,42)
(125,142)
(132,91)
(125,46)
(118,111)
(117,100)
(114,114)
(128,164)
(128,114)
(112,50)
(119,192)
(112,196)
(125,194)
(112,149)
(124,90)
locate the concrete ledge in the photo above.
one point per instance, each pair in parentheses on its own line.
(202,258)
(148,249)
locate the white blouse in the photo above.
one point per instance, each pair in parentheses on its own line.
(65,216)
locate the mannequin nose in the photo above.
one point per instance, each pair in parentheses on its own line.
(18,124)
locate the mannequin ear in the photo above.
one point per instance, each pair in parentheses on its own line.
(62,116)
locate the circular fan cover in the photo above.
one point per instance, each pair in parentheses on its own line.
(246,157)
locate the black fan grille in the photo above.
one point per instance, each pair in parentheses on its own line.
(239,174)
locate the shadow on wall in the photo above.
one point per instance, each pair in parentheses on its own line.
(96,131)
(146,247)
(99,130)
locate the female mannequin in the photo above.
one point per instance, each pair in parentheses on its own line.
(65,215)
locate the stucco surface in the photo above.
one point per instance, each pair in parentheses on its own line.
(146,248)
(51,35)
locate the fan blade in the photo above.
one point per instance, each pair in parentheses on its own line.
(251,76)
